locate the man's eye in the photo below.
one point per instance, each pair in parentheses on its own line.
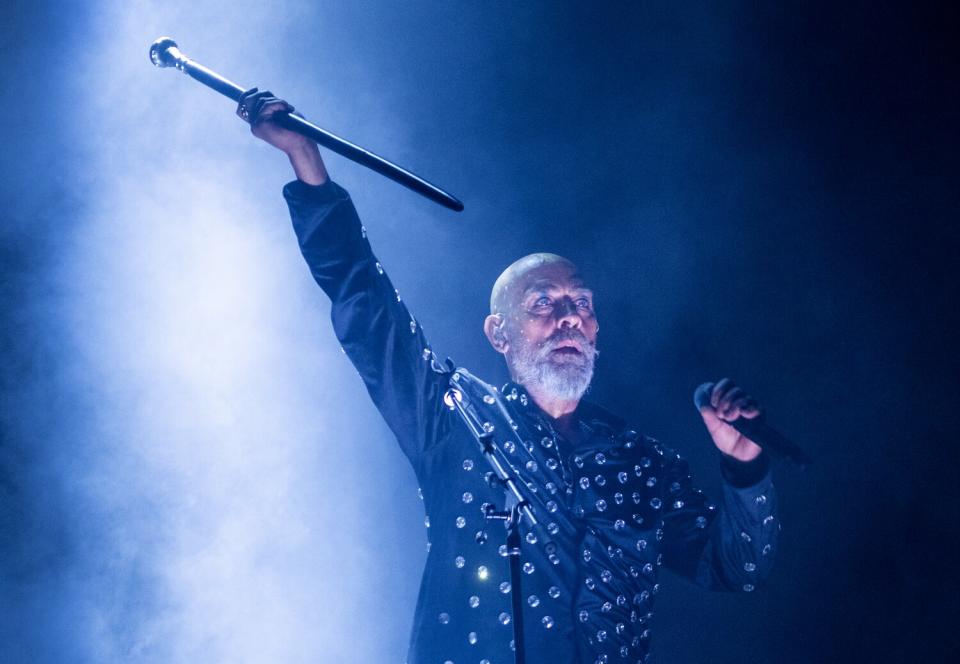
(542,302)
(583,303)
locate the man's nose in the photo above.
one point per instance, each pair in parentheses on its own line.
(568,315)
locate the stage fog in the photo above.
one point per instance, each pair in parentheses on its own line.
(190,468)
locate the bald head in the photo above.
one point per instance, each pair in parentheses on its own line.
(510,286)
(542,321)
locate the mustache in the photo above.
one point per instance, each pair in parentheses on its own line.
(571,334)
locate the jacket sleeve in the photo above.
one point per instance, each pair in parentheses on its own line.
(383,341)
(727,547)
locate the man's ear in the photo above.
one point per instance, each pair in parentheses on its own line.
(493,329)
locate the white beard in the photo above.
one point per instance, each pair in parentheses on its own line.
(566,377)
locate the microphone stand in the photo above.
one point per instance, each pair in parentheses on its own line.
(456,399)
(511,520)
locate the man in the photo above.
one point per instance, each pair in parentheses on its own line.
(617,505)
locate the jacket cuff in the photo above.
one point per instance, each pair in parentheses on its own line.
(744,474)
(328,192)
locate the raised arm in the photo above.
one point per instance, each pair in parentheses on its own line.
(378,334)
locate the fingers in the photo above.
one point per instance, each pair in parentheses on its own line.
(255,106)
(729,401)
(242,109)
(719,389)
(751,408)
(263,104)
(268,109)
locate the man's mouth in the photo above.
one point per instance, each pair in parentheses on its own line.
(568,347)
(566,350)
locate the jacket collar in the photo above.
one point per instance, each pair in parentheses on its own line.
(597,418)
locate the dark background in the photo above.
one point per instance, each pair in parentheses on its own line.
(761,190)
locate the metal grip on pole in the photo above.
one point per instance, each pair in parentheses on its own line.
(164,52)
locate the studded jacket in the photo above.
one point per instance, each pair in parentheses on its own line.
(619,506)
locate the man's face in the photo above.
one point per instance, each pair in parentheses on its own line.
(551,330)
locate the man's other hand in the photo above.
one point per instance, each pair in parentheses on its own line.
(727,403)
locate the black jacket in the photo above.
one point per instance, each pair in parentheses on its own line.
(619,506)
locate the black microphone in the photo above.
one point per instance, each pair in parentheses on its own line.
(758,431)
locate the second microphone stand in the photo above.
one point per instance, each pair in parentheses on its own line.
(482,431)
